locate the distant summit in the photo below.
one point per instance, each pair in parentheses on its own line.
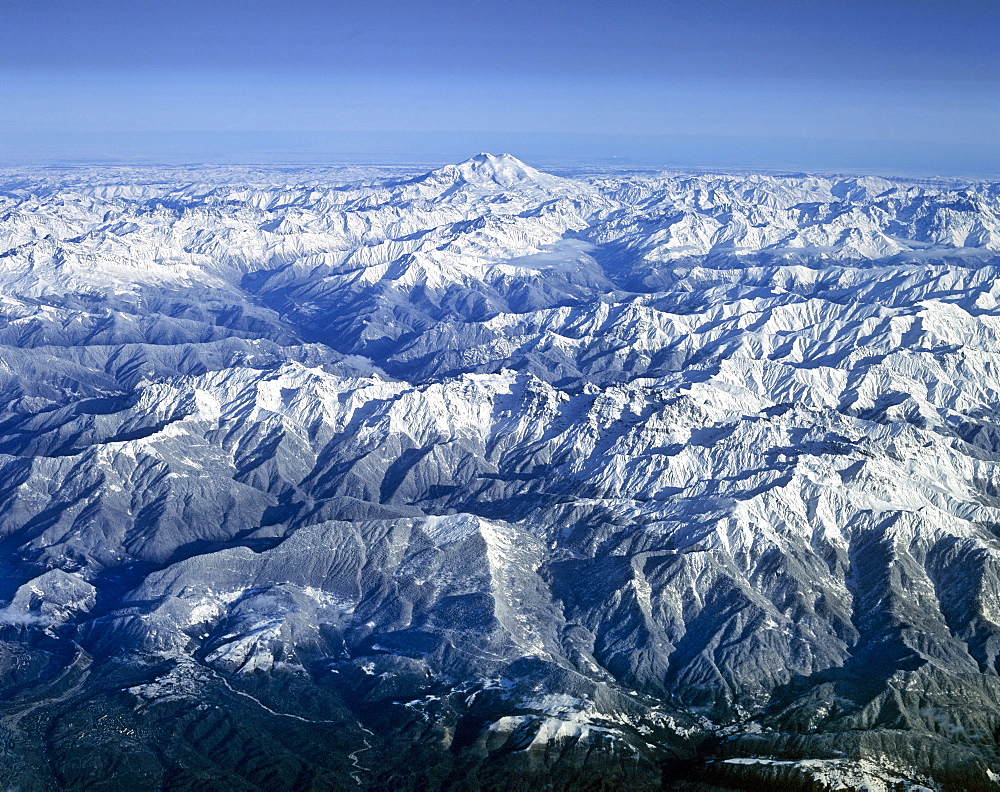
(504,170)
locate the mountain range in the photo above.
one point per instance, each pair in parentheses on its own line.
(488,478)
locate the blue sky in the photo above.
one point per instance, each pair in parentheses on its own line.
(838,85)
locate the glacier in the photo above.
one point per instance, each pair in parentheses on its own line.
(489,478)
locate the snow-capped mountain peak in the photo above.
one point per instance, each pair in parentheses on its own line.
(501,170)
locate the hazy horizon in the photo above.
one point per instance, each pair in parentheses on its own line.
(881,87)
(434,149)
